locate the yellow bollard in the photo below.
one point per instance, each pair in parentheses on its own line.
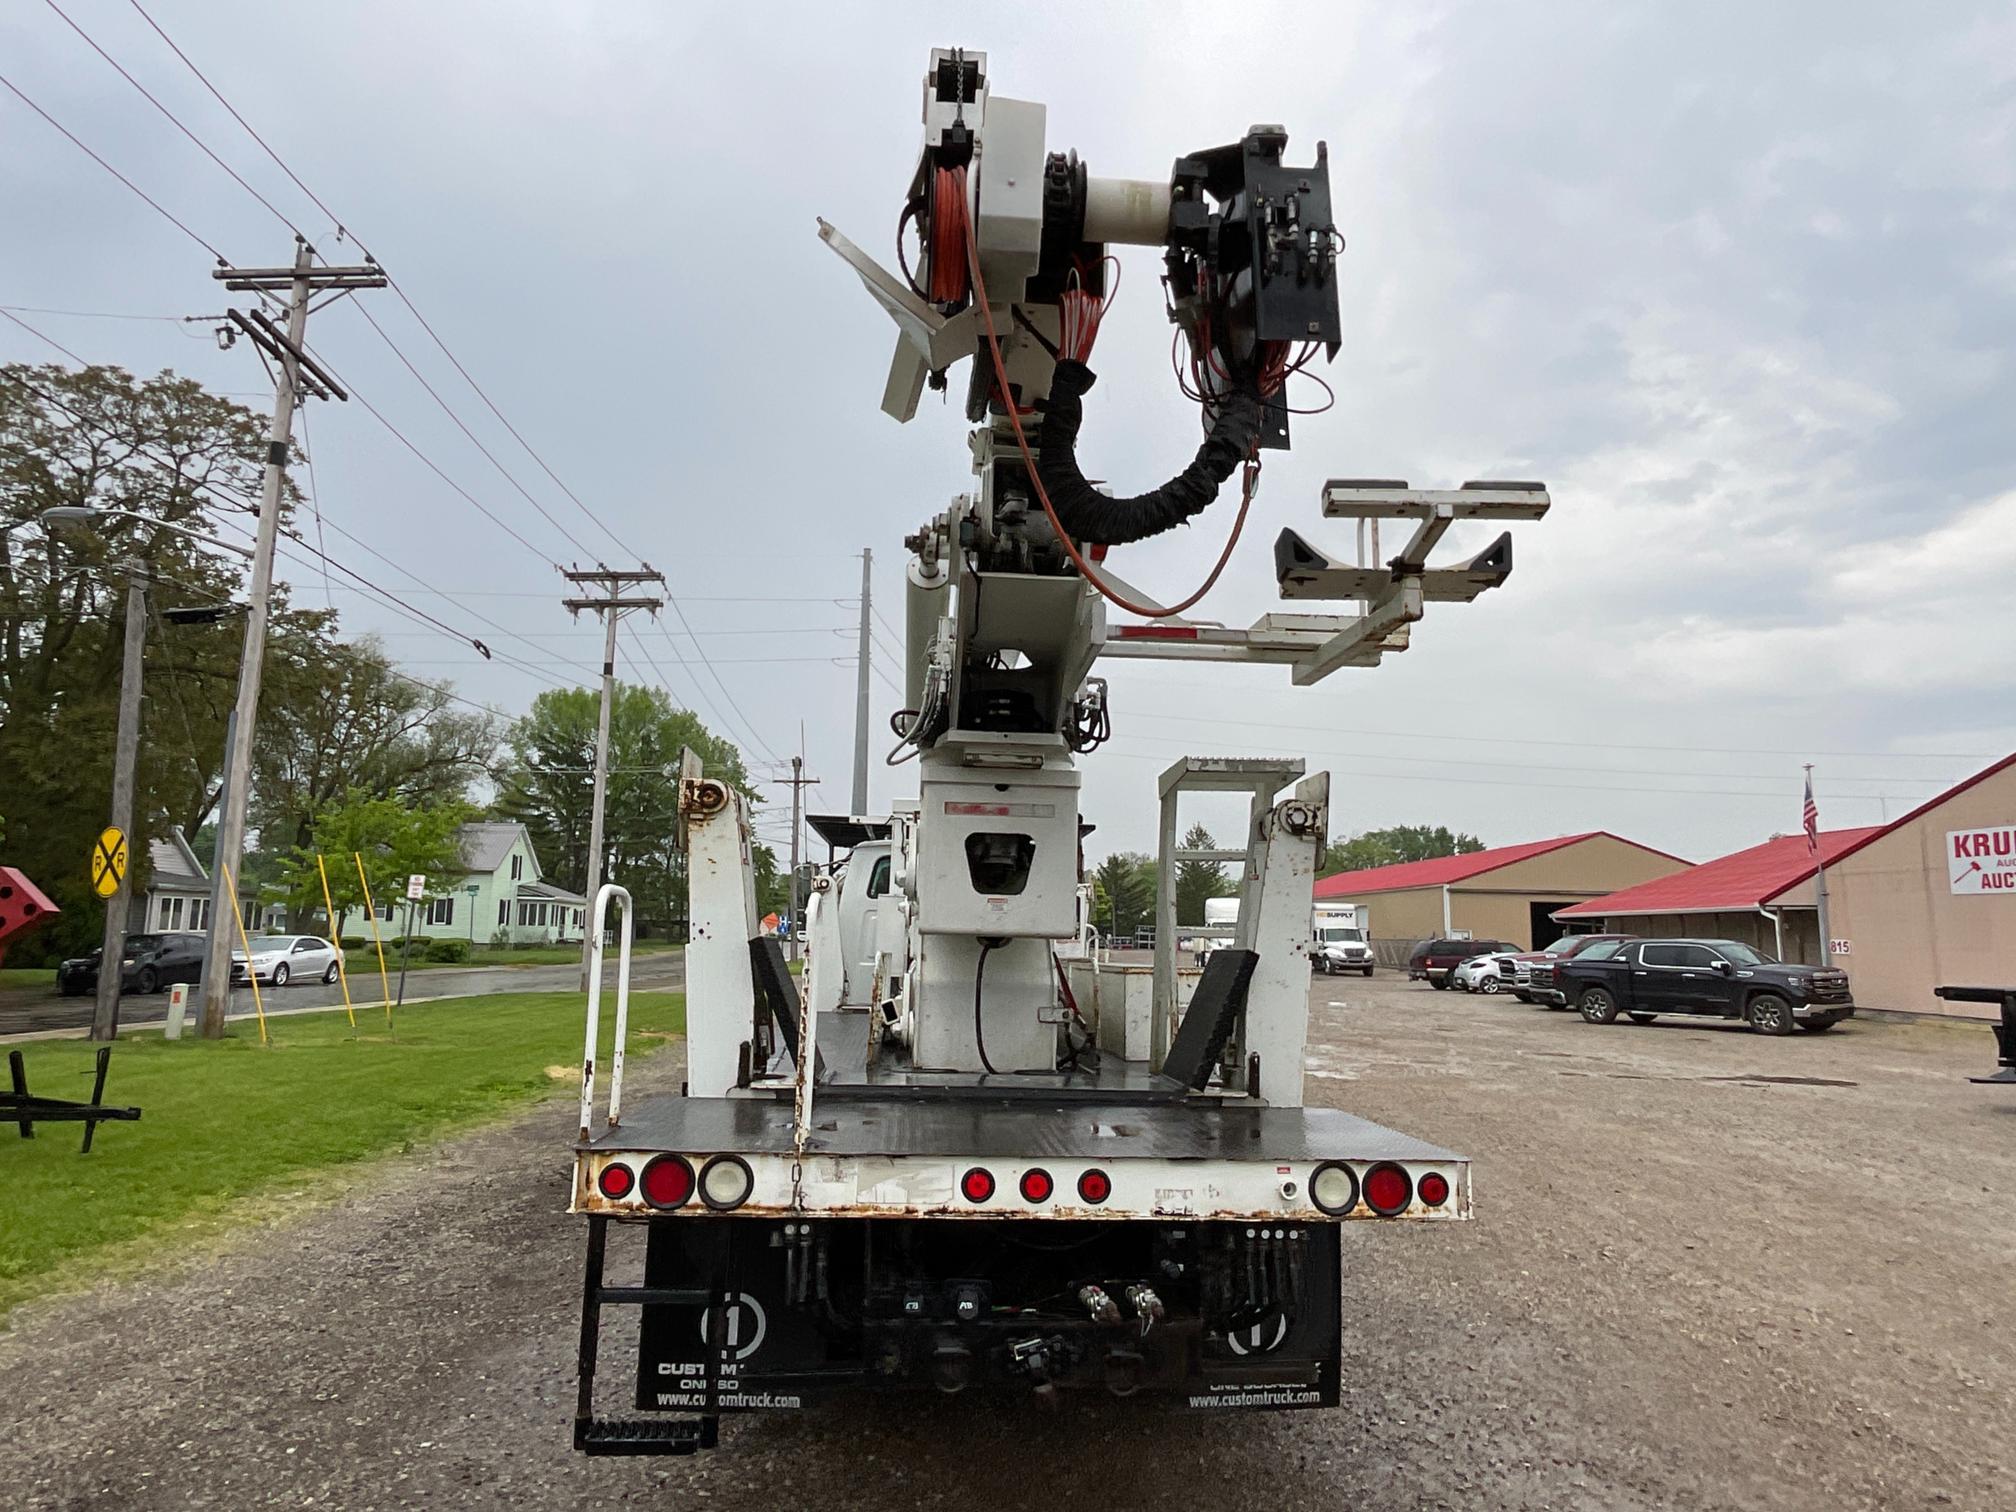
(371,913)
(238,918)
(336,933)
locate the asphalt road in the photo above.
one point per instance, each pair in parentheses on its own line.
(1709,1269)
(23,1012)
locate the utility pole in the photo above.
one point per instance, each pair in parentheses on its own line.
(863,647)
(125,754)
(617,598)
(797,782)
(295,372)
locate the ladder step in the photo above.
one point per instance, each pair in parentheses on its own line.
(613,1436)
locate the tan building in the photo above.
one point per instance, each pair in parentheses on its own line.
(1509,892)
(1928,900)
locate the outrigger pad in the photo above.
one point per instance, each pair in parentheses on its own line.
(1214,1008)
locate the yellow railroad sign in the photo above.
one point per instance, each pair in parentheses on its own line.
(108,862)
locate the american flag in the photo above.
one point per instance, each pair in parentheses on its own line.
(1812,819)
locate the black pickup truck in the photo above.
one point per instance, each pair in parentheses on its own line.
(1716,978)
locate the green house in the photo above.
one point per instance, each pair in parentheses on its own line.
(503,897)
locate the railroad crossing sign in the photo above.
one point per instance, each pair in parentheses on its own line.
(108,862)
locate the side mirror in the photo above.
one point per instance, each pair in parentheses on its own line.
(1725,968)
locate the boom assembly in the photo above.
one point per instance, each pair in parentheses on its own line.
(961,1153)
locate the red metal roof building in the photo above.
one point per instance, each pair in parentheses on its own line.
(1926,900)
(1509,892)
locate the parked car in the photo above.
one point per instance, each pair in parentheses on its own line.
(1485,973)
(1717,978)
(280,959)
(1535,982)
(1433,960)
(151,962)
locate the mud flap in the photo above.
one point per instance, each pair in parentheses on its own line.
(776,1353)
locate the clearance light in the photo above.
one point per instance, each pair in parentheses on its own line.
(1094,1187)
(1434,1189)
(1334,1189)
(1388,1189)
(667,1181)
(1037,1186)
(977,1185)
(726,1182)
(615,1181)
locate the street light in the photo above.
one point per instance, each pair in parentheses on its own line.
(86,514)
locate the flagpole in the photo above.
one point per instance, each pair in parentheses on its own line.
(1819,882)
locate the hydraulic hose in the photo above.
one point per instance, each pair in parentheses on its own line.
(1092,517)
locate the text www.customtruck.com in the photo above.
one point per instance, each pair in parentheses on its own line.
(1259,1396)
(728,1399)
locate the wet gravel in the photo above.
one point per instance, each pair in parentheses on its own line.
(1709,1269)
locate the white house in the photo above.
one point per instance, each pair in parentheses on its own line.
(502,898)
(178,890)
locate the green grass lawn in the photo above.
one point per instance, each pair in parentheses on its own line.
(229,1128)
(28,976)
(359,962)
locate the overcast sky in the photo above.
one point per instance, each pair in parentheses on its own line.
(1737,281)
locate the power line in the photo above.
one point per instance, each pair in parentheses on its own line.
(151,201)
(173,119)
(96,314)
(39,336)
(404,299)
(334,218)
(381,594)
(433,466)
(490,456)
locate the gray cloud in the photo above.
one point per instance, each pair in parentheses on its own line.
(1736,280)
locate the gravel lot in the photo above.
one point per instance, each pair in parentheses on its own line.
(1710,1269)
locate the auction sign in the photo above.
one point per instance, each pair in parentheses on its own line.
(1982,860)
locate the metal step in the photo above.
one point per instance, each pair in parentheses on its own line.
(613,1436)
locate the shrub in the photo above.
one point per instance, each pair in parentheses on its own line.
(355,942)
(447,950)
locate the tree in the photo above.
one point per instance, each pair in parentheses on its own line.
(395,841)
(547,783)
(1402,842)
(1126,879)
(1198,880)
(357,727)
(171,453)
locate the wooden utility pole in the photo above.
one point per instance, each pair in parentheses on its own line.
(797,782)
(295,372)
(125,755)
(617,598)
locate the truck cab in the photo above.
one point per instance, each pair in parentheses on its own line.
(1342,947)
(864,883)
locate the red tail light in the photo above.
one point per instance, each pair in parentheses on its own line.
(1388,1189)
(615,1181)
(977,1185)
(1434,1189)
(667,1182)
(1037,1186)
(1094,1187)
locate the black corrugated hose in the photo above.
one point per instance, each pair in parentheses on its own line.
(1090,516)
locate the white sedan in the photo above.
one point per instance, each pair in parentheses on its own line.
(280,959)
(1486,973)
